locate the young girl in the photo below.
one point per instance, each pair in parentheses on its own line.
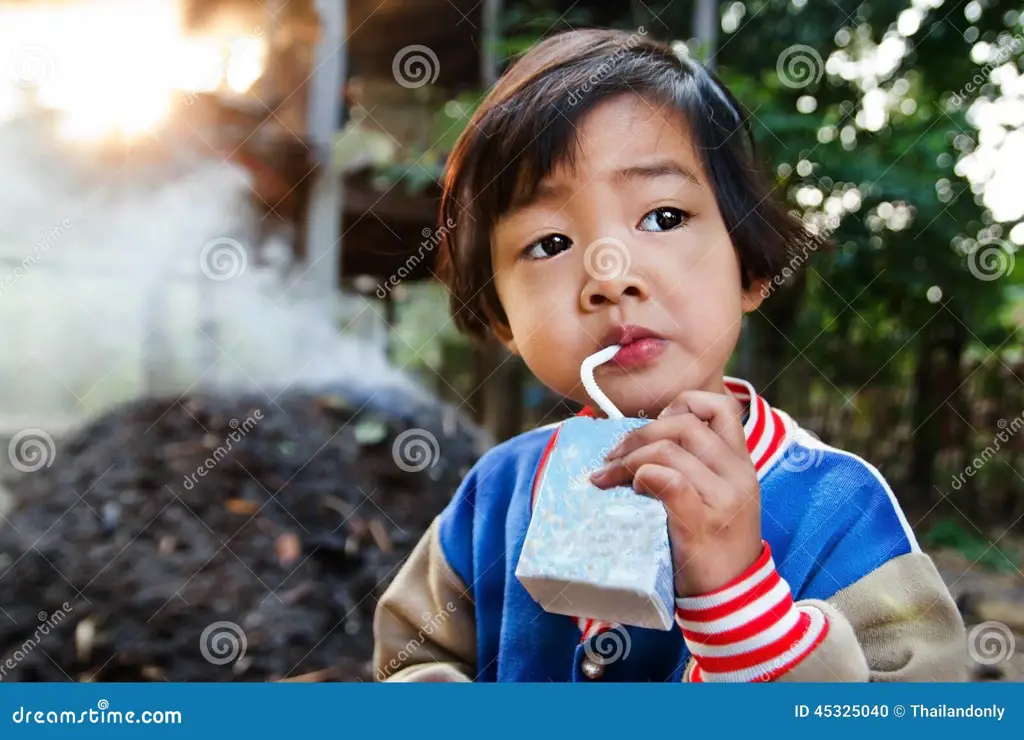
(605,193)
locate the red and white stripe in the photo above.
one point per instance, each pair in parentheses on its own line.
(764,429)
(749,629)
(591,627)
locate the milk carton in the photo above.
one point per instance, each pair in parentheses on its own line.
(592,552)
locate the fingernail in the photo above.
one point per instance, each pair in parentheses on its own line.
(602,471)
(615,452)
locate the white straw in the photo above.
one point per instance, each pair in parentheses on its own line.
(587,376)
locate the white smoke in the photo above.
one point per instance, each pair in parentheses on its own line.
(105,293)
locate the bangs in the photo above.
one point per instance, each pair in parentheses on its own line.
(518,149)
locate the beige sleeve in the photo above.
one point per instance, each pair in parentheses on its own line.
(898,623)
(424,626)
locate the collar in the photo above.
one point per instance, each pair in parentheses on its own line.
(766,431)
(765,428)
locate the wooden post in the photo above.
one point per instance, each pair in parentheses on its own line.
(270,80)
(706,21)
(323,222)
(489,60)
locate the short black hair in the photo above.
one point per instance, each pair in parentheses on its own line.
(526,127)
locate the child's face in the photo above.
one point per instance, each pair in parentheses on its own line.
(631,236)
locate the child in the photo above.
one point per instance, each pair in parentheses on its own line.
(604,193)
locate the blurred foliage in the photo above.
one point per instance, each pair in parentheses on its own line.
(907,166)
(950,534)
(421,169)
(524,22)
(453,117)
(899,303)
(424,336)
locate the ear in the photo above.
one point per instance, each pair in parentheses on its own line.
(754,295)
(500,329)
(504,335)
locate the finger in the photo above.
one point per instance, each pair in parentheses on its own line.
(722,412)
(665,453)
(669,485)
(657,480)
(690,433)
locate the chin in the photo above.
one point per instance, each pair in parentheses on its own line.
(642,408)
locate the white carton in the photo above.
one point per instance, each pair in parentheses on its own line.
(591,552)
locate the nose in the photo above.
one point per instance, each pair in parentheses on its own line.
(609,276)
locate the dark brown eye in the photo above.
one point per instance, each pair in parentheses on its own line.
(549,246)
(663,219)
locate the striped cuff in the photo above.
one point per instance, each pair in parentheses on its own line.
(749,629)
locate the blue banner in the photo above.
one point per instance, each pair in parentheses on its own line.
(450,711)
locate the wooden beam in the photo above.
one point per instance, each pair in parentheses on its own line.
(323,224)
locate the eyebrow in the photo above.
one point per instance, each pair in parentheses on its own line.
(654,170)
(624,176)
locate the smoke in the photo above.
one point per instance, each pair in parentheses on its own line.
(126,272)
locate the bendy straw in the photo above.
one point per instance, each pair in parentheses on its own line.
(587,376)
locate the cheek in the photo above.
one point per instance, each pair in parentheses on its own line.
(537,300)
(704,293)
(544,322)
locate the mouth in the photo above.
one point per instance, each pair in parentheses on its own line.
(640,345)
(628,334)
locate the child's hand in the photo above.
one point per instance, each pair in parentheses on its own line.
(694,459)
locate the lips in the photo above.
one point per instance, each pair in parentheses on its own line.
(627,334)
(640,345)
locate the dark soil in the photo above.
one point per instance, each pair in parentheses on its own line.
(292,535)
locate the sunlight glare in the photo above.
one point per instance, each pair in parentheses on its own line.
(113,67)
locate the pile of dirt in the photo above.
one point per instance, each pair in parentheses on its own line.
(991,602)
(209,539)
